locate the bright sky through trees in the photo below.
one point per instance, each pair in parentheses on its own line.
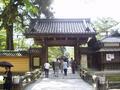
(86,8)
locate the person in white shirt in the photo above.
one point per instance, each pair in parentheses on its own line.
(46,69)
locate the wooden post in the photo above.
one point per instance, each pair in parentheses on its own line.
(76,53)
(30,60)
(44,53)
(102,81)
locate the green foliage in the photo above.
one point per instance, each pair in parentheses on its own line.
(103,24)
(44,8)
(113,78)
(32,9)
(54,52)
(21,43)
(19,13)
(69,52)
(5,2)
(36,46)
(2,39)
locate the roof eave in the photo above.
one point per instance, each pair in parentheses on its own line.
(32,35)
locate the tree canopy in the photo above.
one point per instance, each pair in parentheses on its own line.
(2,39)
(55,52)
(17,13)
(103,24)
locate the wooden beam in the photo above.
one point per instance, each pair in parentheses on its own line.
(59,35)
(61,42)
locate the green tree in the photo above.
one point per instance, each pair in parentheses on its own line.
(43,8)
(55,52)
(20,11)
(2,39)
(103,24)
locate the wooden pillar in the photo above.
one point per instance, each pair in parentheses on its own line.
(44,53)
(30,59)
(76,53)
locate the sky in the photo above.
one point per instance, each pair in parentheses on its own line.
(86,8)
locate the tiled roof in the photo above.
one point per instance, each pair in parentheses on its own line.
(61,26)
(13,53)
(111,39)
(109,49)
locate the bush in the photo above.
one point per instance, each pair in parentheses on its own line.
(113,78)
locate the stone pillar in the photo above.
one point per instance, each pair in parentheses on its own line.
(95,82)
(102,81)
(99,83)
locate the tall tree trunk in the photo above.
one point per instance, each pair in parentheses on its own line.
(63,49)
(9,38)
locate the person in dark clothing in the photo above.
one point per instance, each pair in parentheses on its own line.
(8,79)
(73,65)
(65,66)
(53,66)
(57,67)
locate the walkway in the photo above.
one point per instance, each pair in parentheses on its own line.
(69,82)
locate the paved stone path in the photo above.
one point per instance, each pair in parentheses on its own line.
(69,82)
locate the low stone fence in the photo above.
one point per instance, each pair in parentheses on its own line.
(99,80)
(94,80)
(113,84)
(19,82)
(1,86)
(86,76)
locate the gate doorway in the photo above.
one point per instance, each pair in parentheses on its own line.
(58,51)
(60,32)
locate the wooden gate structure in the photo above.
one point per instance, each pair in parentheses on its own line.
(60,32)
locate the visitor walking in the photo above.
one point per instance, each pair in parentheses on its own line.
(73,66)
(61,65)
(7,79)
(57,67)
(65,65)
(46,69)
(53,66)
